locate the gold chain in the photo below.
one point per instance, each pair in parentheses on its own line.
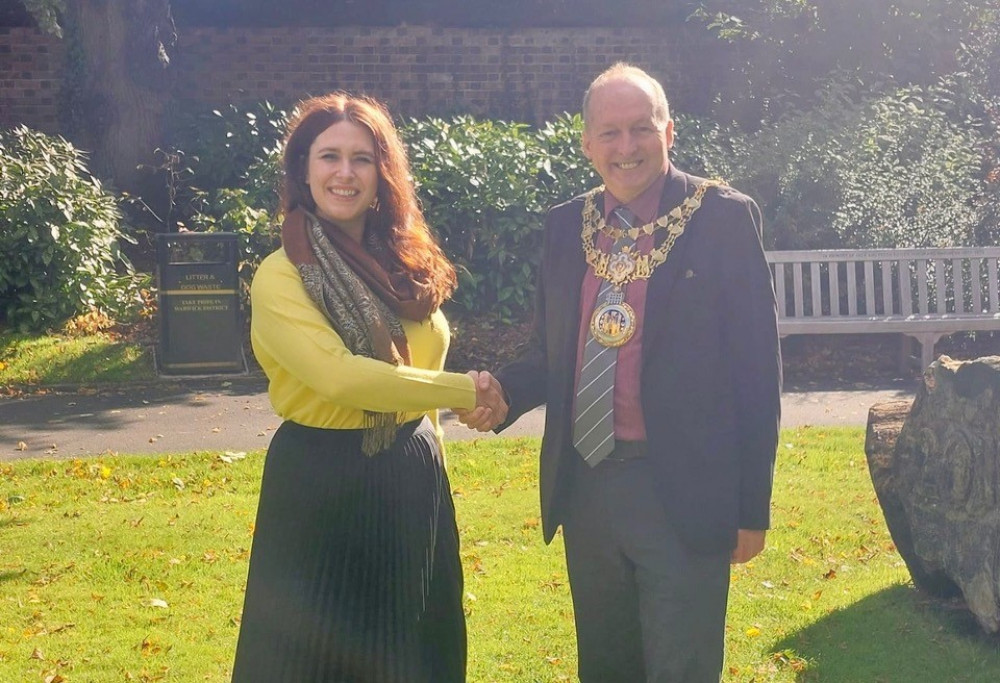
(674,223)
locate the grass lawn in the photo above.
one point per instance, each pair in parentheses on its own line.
(71,359)
(132,569)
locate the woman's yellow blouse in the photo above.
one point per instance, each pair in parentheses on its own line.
(316,381)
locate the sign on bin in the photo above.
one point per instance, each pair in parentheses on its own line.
(199,305)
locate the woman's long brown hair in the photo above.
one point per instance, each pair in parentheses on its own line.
(395,222)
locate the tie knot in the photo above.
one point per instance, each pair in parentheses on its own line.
(626,219)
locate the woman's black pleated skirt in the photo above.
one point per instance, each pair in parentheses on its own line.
(355,575)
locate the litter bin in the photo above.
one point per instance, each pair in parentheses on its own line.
(199,306)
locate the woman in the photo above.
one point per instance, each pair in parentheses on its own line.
(354,573)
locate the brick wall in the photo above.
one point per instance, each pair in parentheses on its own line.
(527,74)
(30,67)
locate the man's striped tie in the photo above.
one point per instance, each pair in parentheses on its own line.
(594,424)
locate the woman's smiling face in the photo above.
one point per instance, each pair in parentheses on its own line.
(342,175)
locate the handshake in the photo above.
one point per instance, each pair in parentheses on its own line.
(491,406)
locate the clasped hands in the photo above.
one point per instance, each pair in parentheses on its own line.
(491,407)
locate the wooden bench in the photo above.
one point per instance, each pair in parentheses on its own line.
(923,294)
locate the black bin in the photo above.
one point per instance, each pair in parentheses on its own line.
(199,306)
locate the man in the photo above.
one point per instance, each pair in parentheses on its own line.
(655,348)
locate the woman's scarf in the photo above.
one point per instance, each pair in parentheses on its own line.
(362,300)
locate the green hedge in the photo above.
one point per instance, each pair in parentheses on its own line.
(865,170)
(482,188)
(859,169)
(485,187)
(896,168)
(59,234)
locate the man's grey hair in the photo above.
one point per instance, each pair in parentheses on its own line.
(623,71)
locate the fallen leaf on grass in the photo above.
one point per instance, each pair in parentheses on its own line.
(148,647)
(229,457)
(157,602)
(37,654)
(788,658)
(797,555)
(54,629)
(552,584)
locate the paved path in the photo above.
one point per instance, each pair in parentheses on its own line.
(234,415)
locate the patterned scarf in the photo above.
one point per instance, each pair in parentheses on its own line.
(362,300)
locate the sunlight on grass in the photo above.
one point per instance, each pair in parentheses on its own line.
(133,568)
(59,359)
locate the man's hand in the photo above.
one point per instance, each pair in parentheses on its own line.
(749,543)
(491,408)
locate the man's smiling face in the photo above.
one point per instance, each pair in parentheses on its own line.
(623,139)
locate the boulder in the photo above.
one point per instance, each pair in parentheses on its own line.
(936,471)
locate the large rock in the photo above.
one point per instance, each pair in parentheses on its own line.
(938,482)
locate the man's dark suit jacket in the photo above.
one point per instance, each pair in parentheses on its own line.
(711,367)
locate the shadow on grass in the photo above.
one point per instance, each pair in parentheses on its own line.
(57,359)
(107,362)
(11,574)
(898,635)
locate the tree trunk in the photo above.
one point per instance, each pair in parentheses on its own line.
(122,58)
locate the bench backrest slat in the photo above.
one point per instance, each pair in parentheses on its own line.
(939,284)
(869,288)
(817,289)
(797,292)
(922,287)
(887,306)
(905,273)
(958,285)
(977,292)
(779,289)
(852,288)
(834,274)
(993,268)
(887,282)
